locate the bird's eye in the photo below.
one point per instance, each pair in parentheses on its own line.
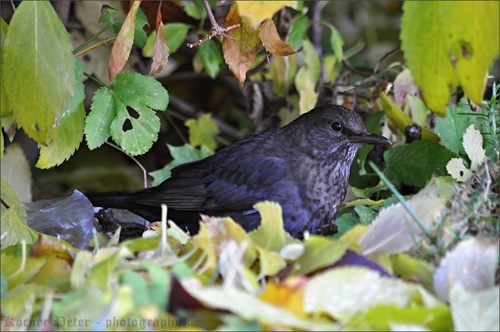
(337,126)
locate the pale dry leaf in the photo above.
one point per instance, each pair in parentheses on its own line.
(394,231)
(473,145)
(472,264)
(457,170)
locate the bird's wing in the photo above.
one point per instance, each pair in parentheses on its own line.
(240,184)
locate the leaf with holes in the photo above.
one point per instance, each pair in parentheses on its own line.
(126,113)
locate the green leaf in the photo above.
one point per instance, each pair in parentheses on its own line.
(76,101)
(366,215)
(452,128)
(108,15)
(442,54)
(336,41)
(414,163)
(319,252)
(181,155)
(202,132)
(176,34)
(298,32)
(13,219)
(63,141)
(211,57)
(98,122)
(4,105)
(344,223)
(270,234)
(39,68)
(111,114)
(140,36)
(383,317)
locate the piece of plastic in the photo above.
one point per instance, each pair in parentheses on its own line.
(71,218)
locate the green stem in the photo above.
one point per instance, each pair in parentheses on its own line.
(401,199)
(92,38)
(95,79)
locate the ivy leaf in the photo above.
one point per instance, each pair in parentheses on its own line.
(202,132)
(130,103)
(414,163)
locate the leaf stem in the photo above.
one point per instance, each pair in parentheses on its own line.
(95,79)
(91,47)
(92,38)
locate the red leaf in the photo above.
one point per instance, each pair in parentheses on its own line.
(160,52)
(123,44)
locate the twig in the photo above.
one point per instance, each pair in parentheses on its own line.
(144,172)
(96,45)
(217,30)
(76,50)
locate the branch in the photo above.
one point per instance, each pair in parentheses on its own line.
(217,30)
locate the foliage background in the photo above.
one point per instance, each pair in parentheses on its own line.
(395,63)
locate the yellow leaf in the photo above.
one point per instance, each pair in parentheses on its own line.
(402,120)
(258,11)
(287,295)
(269,36)
(474,43)
(308,97)
(447,43)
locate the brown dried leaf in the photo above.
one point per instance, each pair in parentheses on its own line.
(123,44)
(241,48)
(269,36)
(161,51)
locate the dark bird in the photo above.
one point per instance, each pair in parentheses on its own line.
(304,166)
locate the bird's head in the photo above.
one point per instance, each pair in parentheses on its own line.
(333,129)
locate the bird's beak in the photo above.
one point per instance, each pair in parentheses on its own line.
(370,138)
